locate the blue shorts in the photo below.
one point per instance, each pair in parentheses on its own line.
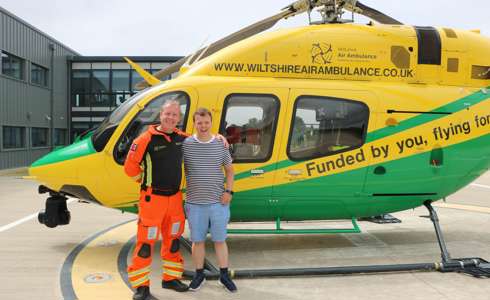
(204,218)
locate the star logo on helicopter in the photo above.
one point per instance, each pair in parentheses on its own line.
(321,53)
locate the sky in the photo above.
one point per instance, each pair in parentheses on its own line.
(167,28)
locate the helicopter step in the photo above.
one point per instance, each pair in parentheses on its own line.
(382,219)
(56,211)
(279,230)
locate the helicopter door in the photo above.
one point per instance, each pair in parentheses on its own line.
(417,175)
(249,119)
(323,168)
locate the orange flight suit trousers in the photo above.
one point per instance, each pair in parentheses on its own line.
(158,216)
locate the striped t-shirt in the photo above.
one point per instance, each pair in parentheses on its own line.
(203,162)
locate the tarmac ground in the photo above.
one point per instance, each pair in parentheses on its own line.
(86,259)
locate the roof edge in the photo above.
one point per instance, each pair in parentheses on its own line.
(18,19)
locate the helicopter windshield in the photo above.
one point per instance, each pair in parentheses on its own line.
(103,133)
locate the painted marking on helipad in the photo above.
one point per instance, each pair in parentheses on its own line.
(92,271)
(97,278)
(25,219)
(481,185)
(473,208)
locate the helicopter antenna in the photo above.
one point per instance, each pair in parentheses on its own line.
(199,50)
(310,7)
(201,54)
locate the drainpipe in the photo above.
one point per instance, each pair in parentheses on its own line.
(69,63)
(51,102)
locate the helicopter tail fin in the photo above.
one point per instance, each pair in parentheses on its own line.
(150,79)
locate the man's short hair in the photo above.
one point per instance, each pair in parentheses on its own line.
(202,112)
(169,103)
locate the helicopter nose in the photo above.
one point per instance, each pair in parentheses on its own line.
(73,151)
(58,166)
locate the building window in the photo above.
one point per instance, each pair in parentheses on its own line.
(80,83)
(104,100)
(59,137)
(136,78)
(323,126)
(120,81)
(39,75)
(100,81)
(39,137)
(81,100)
(12,65)
(14,137)
(249,124)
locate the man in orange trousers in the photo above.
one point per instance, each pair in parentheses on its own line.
(155,160)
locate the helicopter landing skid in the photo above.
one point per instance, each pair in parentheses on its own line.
(355,229)
(476,267)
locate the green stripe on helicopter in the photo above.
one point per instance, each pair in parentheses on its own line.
(458,105)
(350,193)
(75,150)
(348,196)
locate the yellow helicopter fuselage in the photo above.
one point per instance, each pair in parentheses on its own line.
(325,122)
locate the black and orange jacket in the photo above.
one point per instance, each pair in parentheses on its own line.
(155,159)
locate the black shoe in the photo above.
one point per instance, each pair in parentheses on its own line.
(142,293)
(197,282)
(175,285)
(227,283)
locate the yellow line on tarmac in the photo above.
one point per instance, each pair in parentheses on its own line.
(474,208)
(95,273)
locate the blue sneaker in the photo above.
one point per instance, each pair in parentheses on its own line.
(227,283)
(197,282)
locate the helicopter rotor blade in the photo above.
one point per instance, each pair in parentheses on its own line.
(222,43)
(372,14)
(290,10)
(293,9)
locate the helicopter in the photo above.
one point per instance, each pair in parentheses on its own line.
(334,120)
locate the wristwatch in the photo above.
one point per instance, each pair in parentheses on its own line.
(229,192)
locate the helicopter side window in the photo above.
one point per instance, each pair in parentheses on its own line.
(148,116)
(249,125)
(323,126)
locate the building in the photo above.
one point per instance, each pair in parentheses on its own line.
(33,89)
(49,93)
(101,83)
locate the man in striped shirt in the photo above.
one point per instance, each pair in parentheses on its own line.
(207,201)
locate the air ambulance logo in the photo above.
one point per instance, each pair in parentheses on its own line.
(321,53)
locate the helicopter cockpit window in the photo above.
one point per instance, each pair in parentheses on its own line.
(249,124)
(148,116)
(322,126)
(103,133)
